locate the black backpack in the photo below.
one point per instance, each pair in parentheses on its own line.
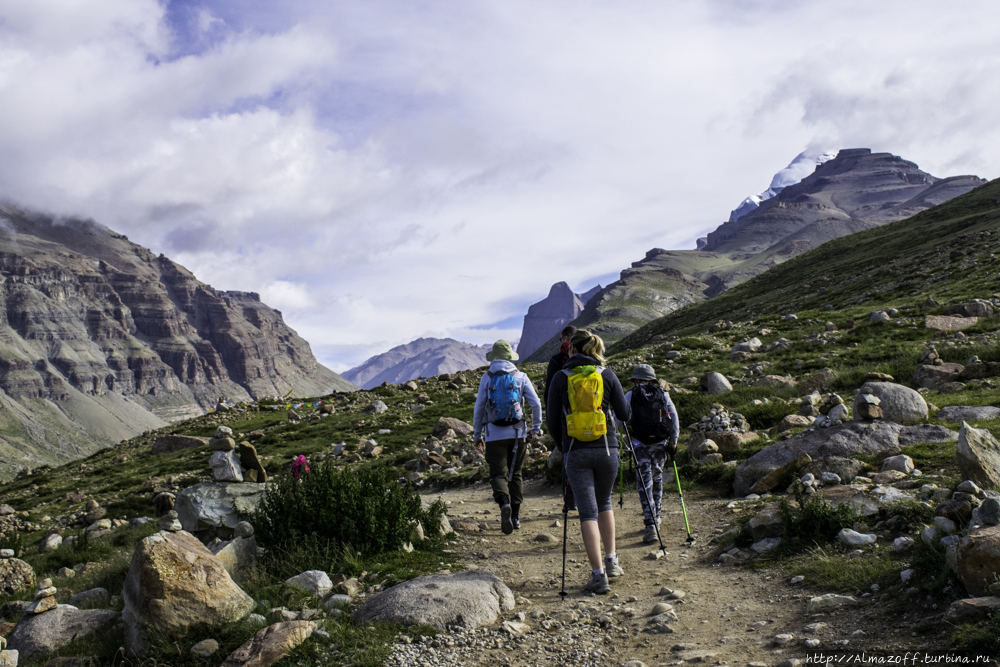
(650,418)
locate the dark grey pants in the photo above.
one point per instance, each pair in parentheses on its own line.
(499,455)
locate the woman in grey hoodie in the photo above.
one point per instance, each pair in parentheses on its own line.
(500,429)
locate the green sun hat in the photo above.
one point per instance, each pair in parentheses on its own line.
(502,351)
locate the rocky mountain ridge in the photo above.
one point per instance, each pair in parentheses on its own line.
(547,317)
(855,191)
(424,357)
(101,339)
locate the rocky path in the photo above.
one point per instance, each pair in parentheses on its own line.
(724,615)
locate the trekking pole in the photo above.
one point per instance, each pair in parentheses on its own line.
(641,483)
(690,540)
(562,593)
(513,462)
(621,489)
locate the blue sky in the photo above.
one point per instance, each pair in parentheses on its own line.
(384,171)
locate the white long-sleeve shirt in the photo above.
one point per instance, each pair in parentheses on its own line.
(525,389)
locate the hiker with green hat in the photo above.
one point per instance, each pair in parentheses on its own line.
(500,429)
(654,434)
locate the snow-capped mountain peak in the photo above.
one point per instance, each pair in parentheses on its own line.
(803,165)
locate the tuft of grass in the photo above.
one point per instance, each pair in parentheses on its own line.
(826,570)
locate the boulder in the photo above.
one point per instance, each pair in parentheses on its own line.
(15,575)
(94,597)
(271,644)
(844,468)
(730,442)
(175,584)
(216,505)
(949,322)
(978,370)
(900,462)
(50,543)
(932,377)
(775,381)
(853,538)
(846,440)
(221,444)
(472,598)
(978,456)
(817,382)
(314,582)
(766,523)
(878,317)
(38,635)
(715,383)
(975,308)
(899,404)
(442,425)
(225,466)
(173,443)
(978,559)
(792,421)
(251,464)
(775,477)
(376,408)
(236,555)
(960,413)
(751,345)
(971,610)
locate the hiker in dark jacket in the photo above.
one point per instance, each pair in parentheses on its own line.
(651,457)
(505,444)
(558,359)
(591,467)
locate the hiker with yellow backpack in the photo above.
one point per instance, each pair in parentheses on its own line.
(580,404)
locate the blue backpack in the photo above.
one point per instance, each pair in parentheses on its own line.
(503,401)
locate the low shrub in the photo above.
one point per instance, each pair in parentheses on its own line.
(815,522)
(367,509)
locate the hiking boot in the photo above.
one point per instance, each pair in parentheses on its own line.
(650,534)
(517,523)
(598,584)
(612,568)
(506,525)
(515,516)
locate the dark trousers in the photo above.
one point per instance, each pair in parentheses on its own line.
(499,455)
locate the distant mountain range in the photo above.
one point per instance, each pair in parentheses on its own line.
(424,357)
(100,340)
(854,191)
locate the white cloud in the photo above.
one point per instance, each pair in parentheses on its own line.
(381,171)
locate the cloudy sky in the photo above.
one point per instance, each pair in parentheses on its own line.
(385,170)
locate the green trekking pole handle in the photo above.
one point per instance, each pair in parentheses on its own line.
(680,493)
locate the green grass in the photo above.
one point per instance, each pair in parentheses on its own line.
(828,570)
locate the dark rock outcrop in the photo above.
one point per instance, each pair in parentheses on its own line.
(547,318)
(121,340)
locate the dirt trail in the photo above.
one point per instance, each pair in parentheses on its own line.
(728,615)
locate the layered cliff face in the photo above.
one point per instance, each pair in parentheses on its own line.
(854,191)
(547,318)
(92,324)
(424,357)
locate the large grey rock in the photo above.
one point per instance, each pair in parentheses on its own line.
(854,538)
(900,462)
(932,377)
(442,425)
(216,504)
(173,443)
(15,575)
(971,610)
(94,597)
(236,555)
(50,543)
(978,559)
(38,635)
(472,598)
(376,408)
(846,440)
(963,413)
(751,345)
(225,466)
(978,456)
(175,584)
(899,404)
(271,644)
(766,523)
(316,583)
(715,383)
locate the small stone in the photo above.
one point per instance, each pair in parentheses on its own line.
(797,579)
(205,648)
(659,608)
(545,537)
(782,639)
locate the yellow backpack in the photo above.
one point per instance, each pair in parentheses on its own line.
(585,420)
